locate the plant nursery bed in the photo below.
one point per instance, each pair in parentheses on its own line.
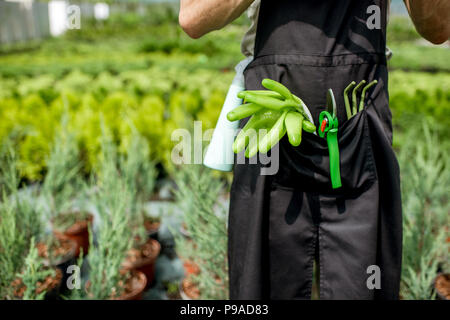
(442,285)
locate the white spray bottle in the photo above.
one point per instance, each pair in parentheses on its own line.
(219,155)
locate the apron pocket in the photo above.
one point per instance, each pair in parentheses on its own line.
(307,166)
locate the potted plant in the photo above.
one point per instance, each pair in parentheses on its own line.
(205,220)
(58,253)
(142,257)
(425,181)
(36,281)
(19,223)
(61,184)
(189,285)
(139,174)
(107,278)
(74,225)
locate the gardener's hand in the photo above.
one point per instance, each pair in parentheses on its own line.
(274,112)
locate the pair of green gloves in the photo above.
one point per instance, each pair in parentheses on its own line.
(275,112)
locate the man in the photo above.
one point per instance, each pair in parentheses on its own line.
(280,225)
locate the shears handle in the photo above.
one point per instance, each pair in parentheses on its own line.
(333,149)
(329,128)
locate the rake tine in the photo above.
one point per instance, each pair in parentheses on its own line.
(363,93)
(346,100)
(354,100)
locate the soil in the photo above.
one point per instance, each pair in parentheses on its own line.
(48,284)
(442,285)
(190,288)
(59,250)
(143,254)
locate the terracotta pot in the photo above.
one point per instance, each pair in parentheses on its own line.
(188,290)
(144,263)
(442,286)
(138,284)
(79,232)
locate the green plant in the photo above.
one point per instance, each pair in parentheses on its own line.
(13,248)
(197,195)
(113,235)
(401,29)
(139,173)
(62,181)
(33,273)
(20,221)
(425,181)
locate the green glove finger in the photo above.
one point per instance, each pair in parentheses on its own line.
(308,126)
(264,93)
(293,123)
(241,142)
(302,107)
(278,87)
(275,134)
(259,120)
(252,148)
(243,111)
(268,102)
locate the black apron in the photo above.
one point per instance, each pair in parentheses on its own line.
(279,224)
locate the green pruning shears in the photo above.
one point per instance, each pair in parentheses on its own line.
(275,112)
(329,129)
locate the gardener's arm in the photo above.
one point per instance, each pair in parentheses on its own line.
(431,18)
(198,17)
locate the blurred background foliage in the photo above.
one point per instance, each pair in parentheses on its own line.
(143,67)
